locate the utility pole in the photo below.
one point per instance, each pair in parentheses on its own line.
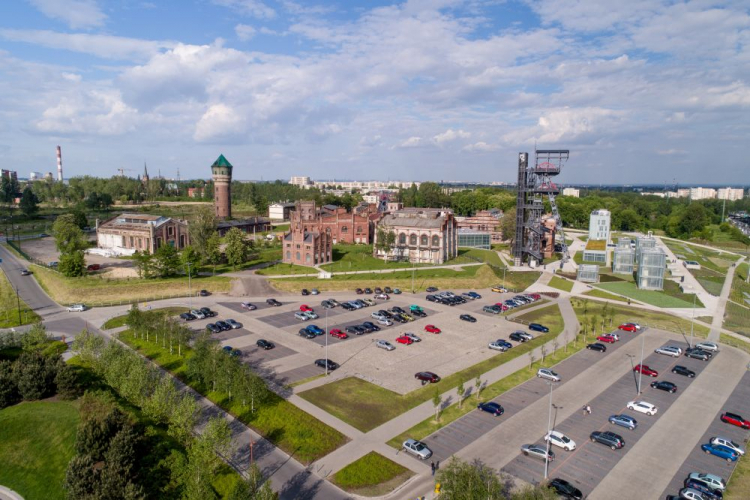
(190,286)
(549,430)
(412,279)
(723,207)
(692,320)
(326,335)
(18,303)
(640,372)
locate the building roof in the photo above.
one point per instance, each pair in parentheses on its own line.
(596,245)
(416,218)
(222,162)
(462,231)
(134,221)
(250,221)
(285,205)
(600,211)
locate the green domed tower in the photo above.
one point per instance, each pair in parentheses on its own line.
(221,171)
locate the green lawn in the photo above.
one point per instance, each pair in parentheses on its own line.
(737,319)
(740,289)
(365,405)
(119,321)
(348,257)
(259,256)
(604,295)
(477,255)
(561,284)
(286,426)
(710,259)
(9,306)
(670,297)
(371,475)
(36,444)
(283,269)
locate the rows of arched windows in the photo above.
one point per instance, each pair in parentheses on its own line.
(423,240)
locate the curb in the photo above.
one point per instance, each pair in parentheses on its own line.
(8,493)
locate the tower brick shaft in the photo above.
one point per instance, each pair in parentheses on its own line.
(59,164)
(221,171)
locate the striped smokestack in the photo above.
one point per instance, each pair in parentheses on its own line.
(59,164)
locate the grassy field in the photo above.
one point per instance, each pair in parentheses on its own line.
(737,319)
(283,269)
(670,297)
(371,475)
(36,444)
(739,286)
(710,259)
(286,426)
(365,405)
(561,284)
(260,256)
(119,321)
(604,295)
(93,291)
(9,306)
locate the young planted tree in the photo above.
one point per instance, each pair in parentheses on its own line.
(236,248)
(144,264)
(437,401)
(213,250)
(478,386)
(460,390)
(385,239)
(191,261)
(543,349)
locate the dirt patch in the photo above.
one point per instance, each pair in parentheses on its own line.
(119,273)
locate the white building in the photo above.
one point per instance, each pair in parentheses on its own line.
(304,182)
(730,194)
(683,193)
(35,176)
(599,224)
(371,198)
(280,211)
(575,193)
(423,236)
(700,193)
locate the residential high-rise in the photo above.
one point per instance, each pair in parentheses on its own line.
(730,194)
(599,224)
(221,171)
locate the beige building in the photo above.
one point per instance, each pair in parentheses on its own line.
(141,232)
(575,193)
(701,193)
(730,194)
(423,235)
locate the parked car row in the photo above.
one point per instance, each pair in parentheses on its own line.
(378,291)
(202,313)
(221,326)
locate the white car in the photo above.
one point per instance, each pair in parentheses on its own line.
(614,335)
(728,443)
(198,314)
(382,296)
(248,306)
(301,316)
(497,346)
(643,407)
(76,308)
(385,322)
(310,315)
(708,346)
(548,374)
(417,448)
(636,325)
(384,344)
(377,315)
(669,350)
(413,337)
(710,479)
(559,439)
(691,494)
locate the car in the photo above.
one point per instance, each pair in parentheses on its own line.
(265,344)
(359,291)
(227,349)
(327,305)
(607,438)
(236,353)
(26,272)
(720,451)
(315,329)
(663,385)
(432,329)
(467,296)
(385,322)
(53,264)
(491,407)
(427,377)
(683,370)
(499,289)
(371,326)
(384,344)
(643,407)
(397,318)
(559,439)
(419,314)
(712,480)
(187,316)
(248,306)
(368,291)
(335,332)
(538,328)
(691,494)
(431,289)
(204,293)
(414,308)
(417,448)
(366,328)
(627,327)
(213,328)
(368,302)
(327,364)
(728,443)
(305,308)
(223,325)
(403,339)
(606,338)
(735,419)
(492,309)
(301,316)
(537,451)
(645,370)
(198,314)
(305,291)
(499,345)
(396,291)
(596,346)
(273,302)
(708,346)
(90,267)
(519,337)
(314,291)
(706,490)
(468,317)
(431,298)
(208,312)
(387,289)
(624,421)
(381,296)
(565,489)
(311,315)
(669,350)
(413,337)
(475,295)
(377,289)
(76,308)
(407,317)
(304,332)
(397,310)
(698,354)
(548,374)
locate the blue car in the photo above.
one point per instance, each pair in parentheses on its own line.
(624,421)
(720,451)
(538,328)
(475,295)
(315,330)
(492,408)
(504,343)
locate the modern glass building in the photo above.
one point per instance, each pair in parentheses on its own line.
(652,264)
(623,260)
(588,273)
(474,239)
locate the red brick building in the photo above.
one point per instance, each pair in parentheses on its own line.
(342,226)
(487,221)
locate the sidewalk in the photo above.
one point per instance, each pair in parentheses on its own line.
(721,305)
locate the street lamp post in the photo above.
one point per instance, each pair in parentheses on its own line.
(504,269)
(190,286)
(640,372)
(692,320)
(18,303)
(326,336)
(549,430)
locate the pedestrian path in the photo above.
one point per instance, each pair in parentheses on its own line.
(721,304)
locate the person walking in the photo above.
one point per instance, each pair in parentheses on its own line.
(432,466)
(588,410)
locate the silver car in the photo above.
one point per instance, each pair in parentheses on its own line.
(413,337)
(669,351)
(724,441)
(710,479)
(234,324)
(74,308)
(385,322)
(384,344)
(198,314)
(708,346)
(417,448)
(624,421)
(537,451)
(548,374)
(301,316)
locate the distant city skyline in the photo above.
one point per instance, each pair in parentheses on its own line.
(647,92)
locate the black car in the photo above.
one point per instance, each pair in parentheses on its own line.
(397,318)
(187,316)
(372,326)
(377,289)
(366,328)
(273,302)
(492,408)
(397,309)
(706,490)
(683,370)
(223,325)
(355,330)
(518,337)
(368,290)
(538,328)
(25,272)
(664,386)
(418,313)
(327,305)
(468,317)
(204,293)
(304,332)
(347,306)
(597,347)
(213,328)
(305,291)
(323,362)
(264,344)
(385,313)
(359,291)
(431,289)
(698,354)
(565,489)
(208,312)
(614,441)
(387,289)
(431,298)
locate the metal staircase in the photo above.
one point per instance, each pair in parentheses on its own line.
(559,227)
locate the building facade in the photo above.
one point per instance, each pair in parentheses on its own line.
(343,227)
(307,243)
(486,221)
(730,194)
(280,211)
(301,181)
(251,225)
(423,235)
(588,273)
(195,192)
(221,171)
(474,239)
(652,264)
(599,224)
(701,193)
(573,192)
(141,232)
(623,259)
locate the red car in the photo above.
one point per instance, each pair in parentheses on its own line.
(645,370)
(426,377)
(535,296)
(338,334)
(305,308)
(734,419)
(628,327)
(606,338)
(502,306)
(403,339)
(432,329)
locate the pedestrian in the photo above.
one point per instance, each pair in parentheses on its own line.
(583,410)
(432,466)
(437,465)
(588,410)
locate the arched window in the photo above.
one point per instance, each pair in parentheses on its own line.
(359,229)
(307,257)
(402,239)
(344,229)
(423,240)
(413,240)
(298,257)
(436,241)
(288,255)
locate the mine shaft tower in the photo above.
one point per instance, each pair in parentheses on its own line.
(535,181)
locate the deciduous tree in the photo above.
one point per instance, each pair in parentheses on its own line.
(236,247)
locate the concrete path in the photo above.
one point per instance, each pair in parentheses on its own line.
(721,305)
(8,494)
(456,267)
(691,281)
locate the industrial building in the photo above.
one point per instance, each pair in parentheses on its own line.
(486,221)
(280,211)
(652,264)
(127,233)
(588,273)
(423,235)
(474,239)
(599,224)
(623,260)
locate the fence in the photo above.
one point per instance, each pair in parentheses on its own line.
(138,300)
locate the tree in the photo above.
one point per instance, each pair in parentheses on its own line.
(66,381)
(461,390)
(70,242)
(182,419)
(540,492)
(8,388)
(81,478)
(118,478)
(459,479)
(29,202)
(79,218)
(72,264)
(95,434)
(385,239)
(508,225)
(213,250)
(35,375)
(190,256)
(204,458)
(201,229)
(167,261)
(162,402)
(144,264)
(437,401)
(236,248)
(35,338)
(478,386)
(253,488)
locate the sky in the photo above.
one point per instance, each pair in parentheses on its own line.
(640,91)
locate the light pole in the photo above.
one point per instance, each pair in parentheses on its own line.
(326,335)
(504,269)
(632,366)
(190,286)
(692,320)
(640,372)
(549,431)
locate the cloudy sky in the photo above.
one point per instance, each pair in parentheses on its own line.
(638,90)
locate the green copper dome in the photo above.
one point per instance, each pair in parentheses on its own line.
(222,162)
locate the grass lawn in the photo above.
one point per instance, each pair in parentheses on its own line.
(738,487)
(286,426)
(737,319)
(740,289)
(477,255)
(36,444)
(119,321)
(710,259)
(670,297)
(282,269)
(347,257)
(371,475)
(93,291)
(256,257)
(604,295)
(9,306)
(561,283)
(365,405)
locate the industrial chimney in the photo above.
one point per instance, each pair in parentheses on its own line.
(59,164)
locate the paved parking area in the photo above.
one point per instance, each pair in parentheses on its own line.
(230,334)
(301,373)
(698,461)
(254,355)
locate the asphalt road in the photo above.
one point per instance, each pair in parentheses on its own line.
(28,289)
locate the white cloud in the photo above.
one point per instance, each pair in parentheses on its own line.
(450,135)
(411,142)
(218,122)
(252,8)
(669,152)
(244,32)
(91,112)
(480,147)
(75,13)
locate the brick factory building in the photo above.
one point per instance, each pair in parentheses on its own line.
(485,221)
(423,235)
(141,232)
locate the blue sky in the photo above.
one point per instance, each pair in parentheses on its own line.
(643,92)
